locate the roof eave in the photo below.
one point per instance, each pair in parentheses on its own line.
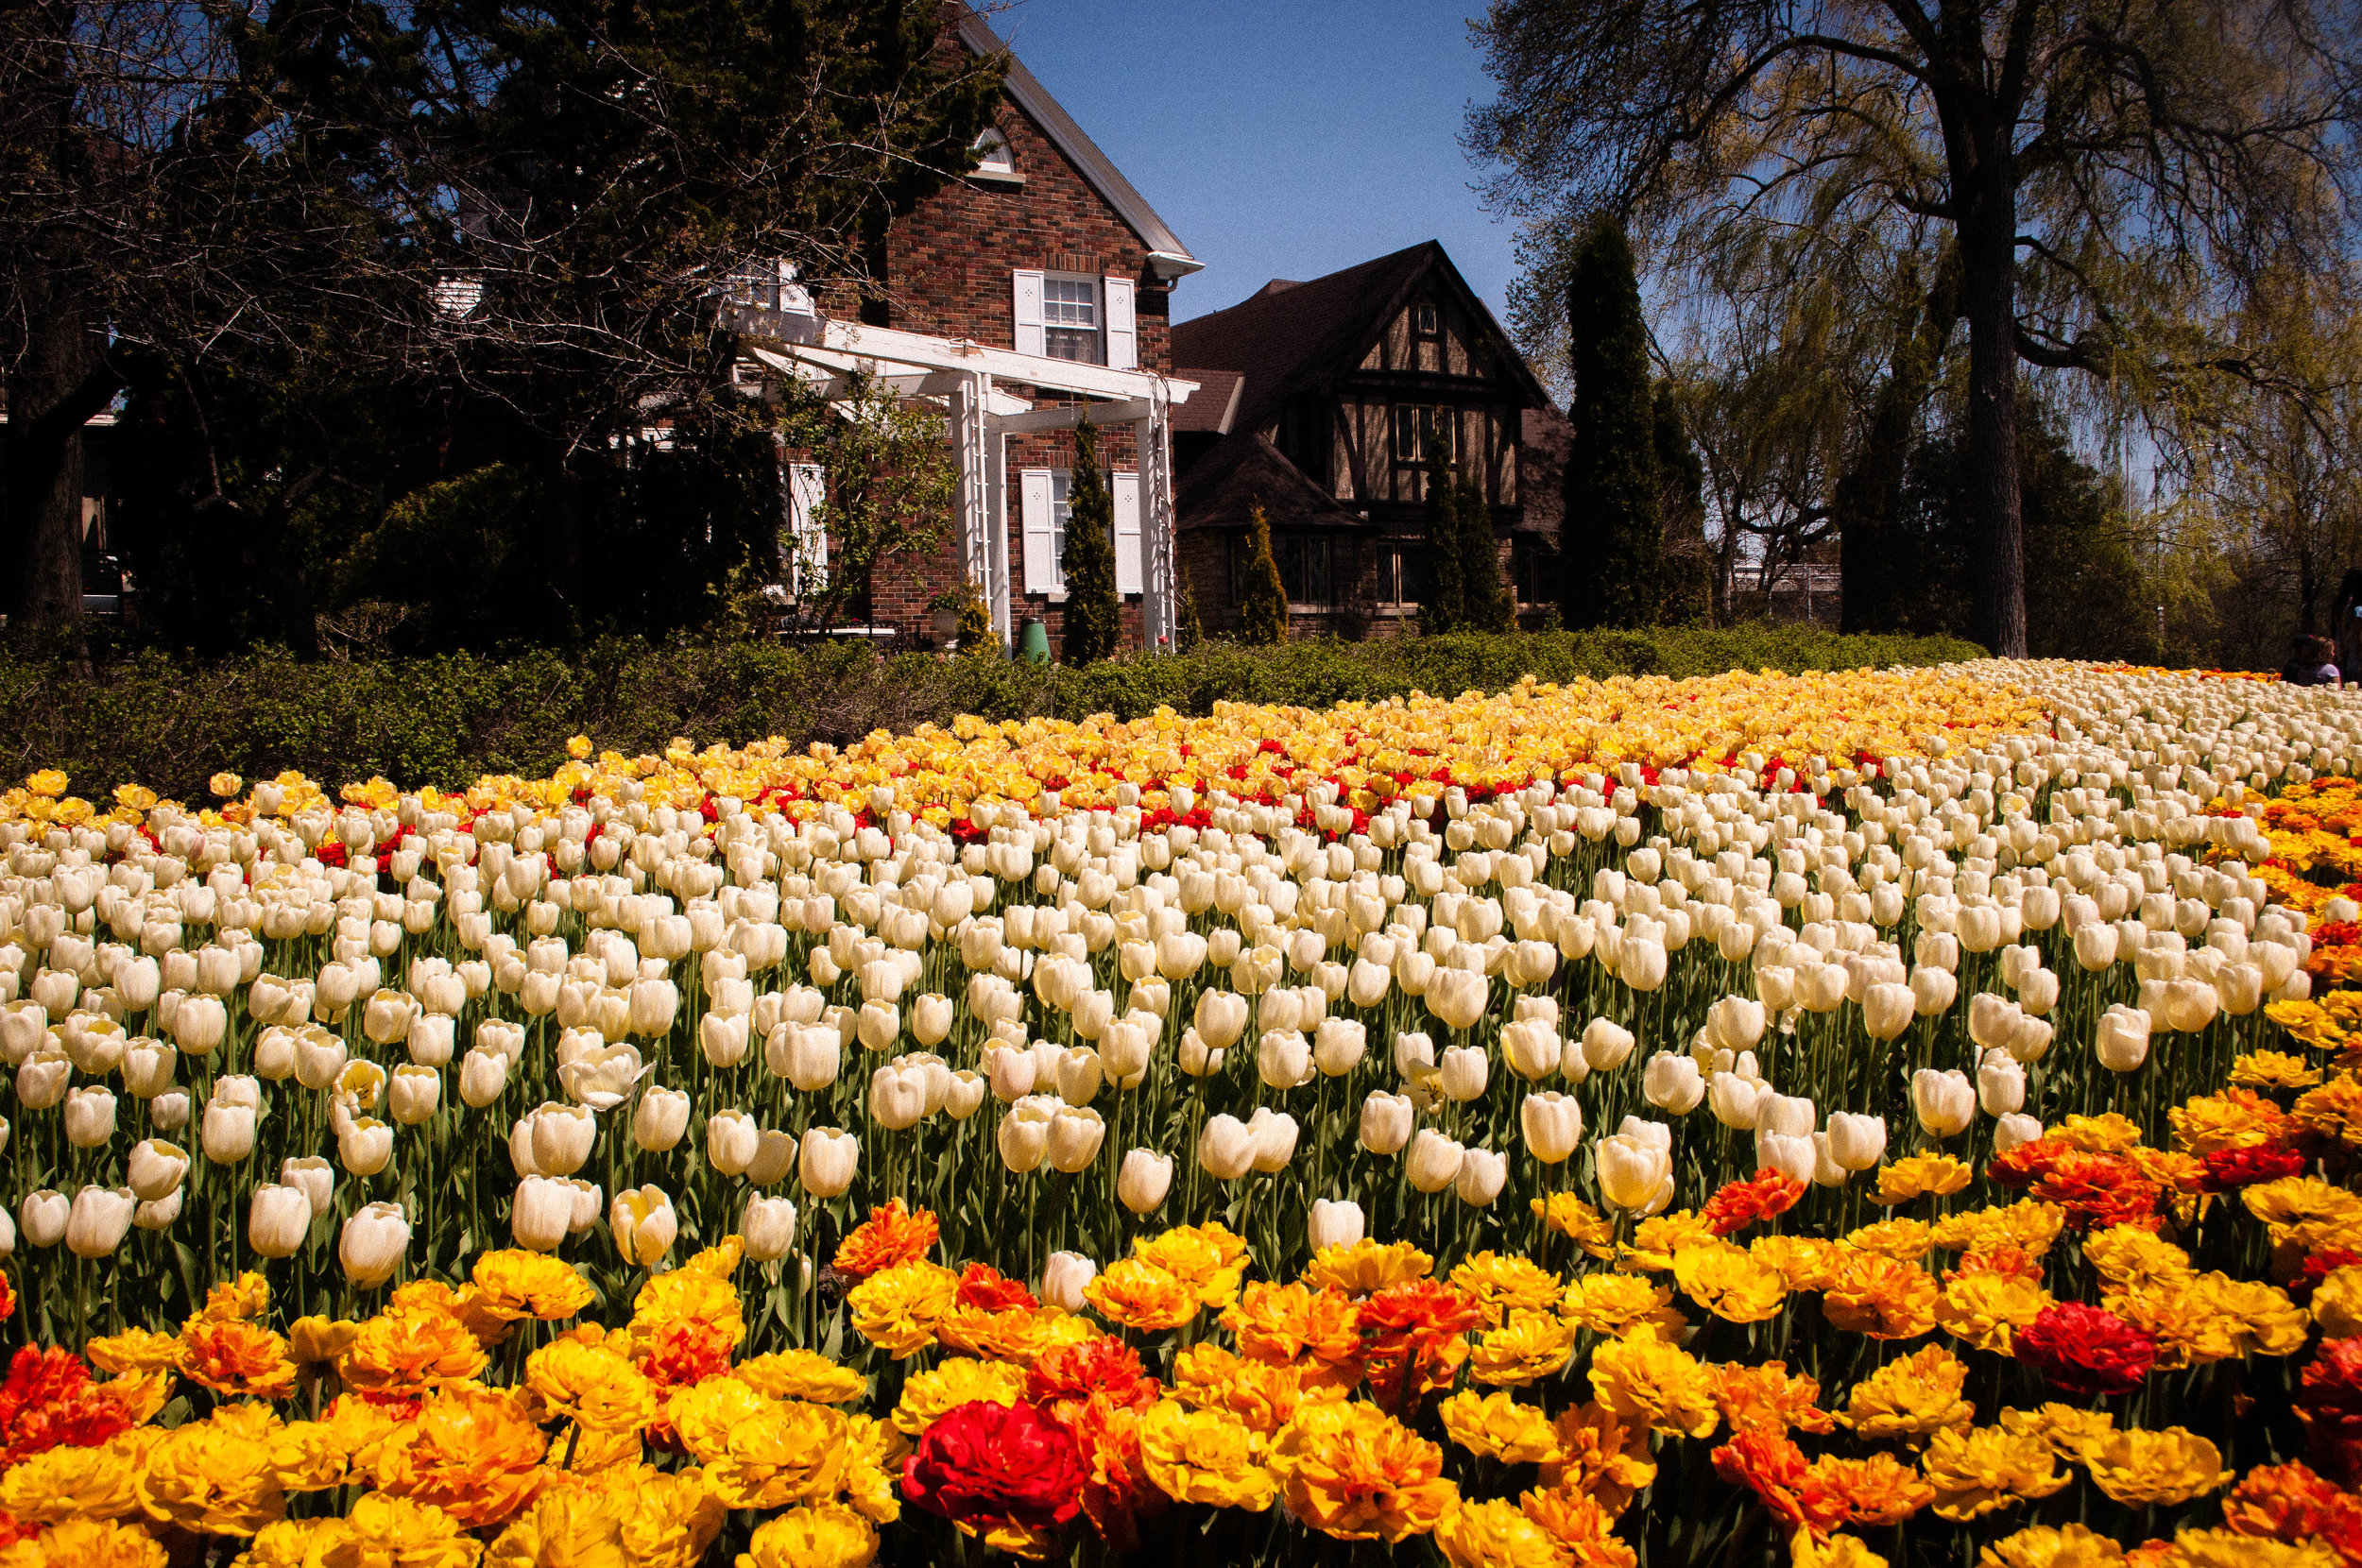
(1167,256)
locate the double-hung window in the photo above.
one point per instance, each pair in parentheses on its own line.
(1070,319)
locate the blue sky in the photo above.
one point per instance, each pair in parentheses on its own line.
(1285,139)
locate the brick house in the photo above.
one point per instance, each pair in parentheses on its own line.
(1044,253)
(1321,400)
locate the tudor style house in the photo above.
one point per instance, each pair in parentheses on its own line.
(1321,401)
(1026,298)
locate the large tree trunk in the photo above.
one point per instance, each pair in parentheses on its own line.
(1988,238)
(59,381)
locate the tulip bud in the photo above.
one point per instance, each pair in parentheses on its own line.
(1673,1083)
(365,1146)
(2013,1130)
(45,1215)
(1552,1124)
(1606,1045)
(1337,1045)
(1531,1048)
(1434,1161)
(1466,1070)
(827,1158)
(1856,1142)
(228,1133)
(1888,1010)
(1226,1150)
(1144,1180)
(1482,1174)
(1634,1172)
(1386,1122)
(372,1245)
(732,1138)
(311,1175)
(1933,990)
(277,1219)
(414,1093)
(1736,1022)
(768,1228)
(1063,1278)
(1334,1225)
(1825,1171)
(199,1024)
(1274,1135)
(1793,1157)
(90,1118)
(98,1220)
(1944,1100)
(2123,1039)
(1790,1116)
(2000,1084)
(1737,1101)
(1074,1137)
(541,1215)
(155,1214)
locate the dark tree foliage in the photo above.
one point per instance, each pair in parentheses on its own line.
(1443,602)
(1263,612)
(1686,597)
(2084,586)
(1490,604)
(1613,533)
(1094,617)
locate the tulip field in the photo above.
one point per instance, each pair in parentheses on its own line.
(1903,1116)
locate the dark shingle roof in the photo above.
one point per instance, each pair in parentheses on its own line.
(1223,486)
(1289,336)
(1214,402)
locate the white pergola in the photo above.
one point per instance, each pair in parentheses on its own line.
(827,354)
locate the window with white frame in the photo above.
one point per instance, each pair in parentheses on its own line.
(992,153)
(1070,319)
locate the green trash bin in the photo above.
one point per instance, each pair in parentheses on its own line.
(1033,643)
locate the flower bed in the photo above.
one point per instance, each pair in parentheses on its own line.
(1863,1117)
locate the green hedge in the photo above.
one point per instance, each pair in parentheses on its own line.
(170,724)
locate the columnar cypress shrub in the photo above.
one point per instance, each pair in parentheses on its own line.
(1443,605)
(1263,613)
(1094,617)
(1490,604)
(1613,536)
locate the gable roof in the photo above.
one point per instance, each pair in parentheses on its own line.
(1222,487)
(1288,337)
(1167,255)
(1214,405)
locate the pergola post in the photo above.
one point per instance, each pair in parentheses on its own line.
(1158,602)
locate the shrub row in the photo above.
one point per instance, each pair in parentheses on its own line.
(170,724)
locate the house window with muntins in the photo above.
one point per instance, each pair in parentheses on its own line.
(1070,316)
(1308,569)
(1417,425)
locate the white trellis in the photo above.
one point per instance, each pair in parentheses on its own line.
(966,377)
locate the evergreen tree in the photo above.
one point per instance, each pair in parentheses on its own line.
(1263,613)
(1187,630)
(1491,607)
(1444,607)
(1612,533)
(1094,615)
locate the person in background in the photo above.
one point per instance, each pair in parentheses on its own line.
(2312,664)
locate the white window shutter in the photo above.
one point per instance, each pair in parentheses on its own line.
(1125,488)
(1124,338)
(1041,569)
(808,536)
(1027,283)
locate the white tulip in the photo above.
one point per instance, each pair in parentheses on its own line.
(365,1146)
(1737,1101)
(1944,1100)
(1144,1180)
(90,1118)
(768,1228)
(1063,1277)
(1634,1172)
(1274,1134)
(1856,1142)
(1482,1174)
(155,1168)
(2123,1039)
(414,1093)
(98,1220)
(2000,1084)
(43,1214)
(313,1177)
(1386,1122)
(1606,1045)
(828,1160)
(1464,1071)
(660,1119)
(541,1214)
(277,1219)
(372,1245)
(1434,1161)
(643,1225)
(1552,1124)
(1673,1083)
(1074,1137)
(1334,1225)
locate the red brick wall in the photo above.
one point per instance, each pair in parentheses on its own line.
(949,266)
